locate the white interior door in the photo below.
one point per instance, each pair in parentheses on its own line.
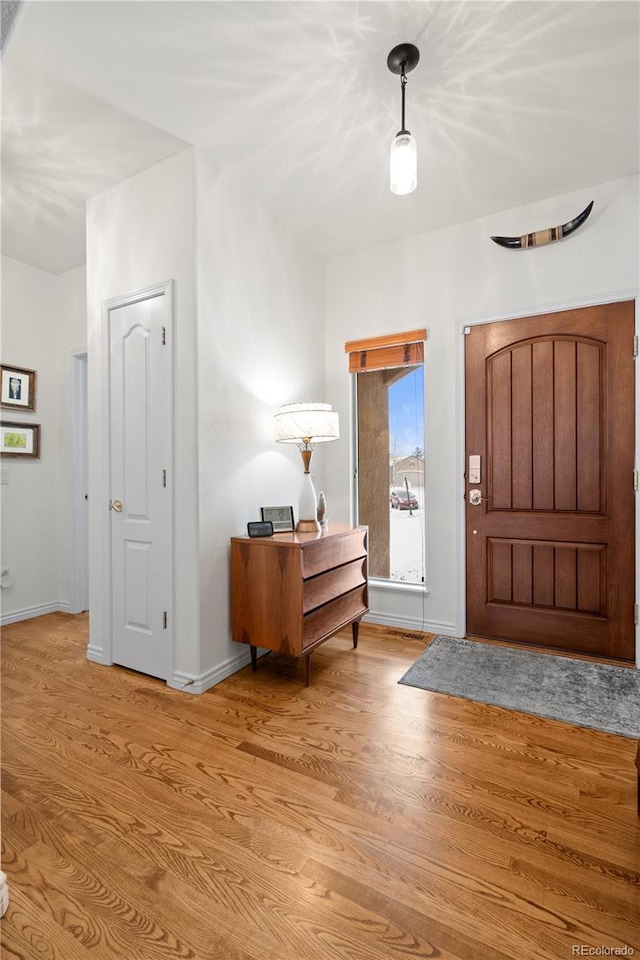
(140,458)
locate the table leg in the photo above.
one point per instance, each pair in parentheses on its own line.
(254,657)
(355,626)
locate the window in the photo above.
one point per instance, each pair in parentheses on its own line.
(390,476)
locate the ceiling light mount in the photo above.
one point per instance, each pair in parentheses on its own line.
(403,161)
(403,58)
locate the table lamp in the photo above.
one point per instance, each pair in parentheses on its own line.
(306,424)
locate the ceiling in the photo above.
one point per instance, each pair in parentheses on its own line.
(512,101)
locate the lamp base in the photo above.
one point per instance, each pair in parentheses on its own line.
(307,503)
(308,526)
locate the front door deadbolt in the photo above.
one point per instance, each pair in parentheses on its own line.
(474,468)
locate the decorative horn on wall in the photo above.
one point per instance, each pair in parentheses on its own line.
(540,237)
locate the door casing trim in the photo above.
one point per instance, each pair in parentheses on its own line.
(79,599)
(532,311)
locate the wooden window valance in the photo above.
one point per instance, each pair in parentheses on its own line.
(384,353)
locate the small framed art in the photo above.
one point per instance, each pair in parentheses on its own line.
(280,517)
(17,388)
(20,440)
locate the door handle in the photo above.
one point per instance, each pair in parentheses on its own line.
(115,505)
(476,498)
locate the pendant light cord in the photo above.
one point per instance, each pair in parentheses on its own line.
(403,83)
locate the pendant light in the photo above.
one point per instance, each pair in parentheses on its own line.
(403,160)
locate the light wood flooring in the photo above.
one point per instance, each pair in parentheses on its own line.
(356,819)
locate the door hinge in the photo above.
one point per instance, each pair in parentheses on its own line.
(164,336)
(635,346)
(635,479)
(466,331)
(164,620)
(164,478)
(635,613)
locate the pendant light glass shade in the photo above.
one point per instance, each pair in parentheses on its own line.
(403,164)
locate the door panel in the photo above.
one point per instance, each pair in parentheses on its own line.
(551,547)
(140,448)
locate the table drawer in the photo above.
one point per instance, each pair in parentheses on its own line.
(332,584)
(328,619)
(324,554)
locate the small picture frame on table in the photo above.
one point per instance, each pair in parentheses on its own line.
(17,388)
(280,517)
(20,440)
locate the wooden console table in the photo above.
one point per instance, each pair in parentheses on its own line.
(292,591)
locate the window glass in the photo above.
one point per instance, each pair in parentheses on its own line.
(391,470)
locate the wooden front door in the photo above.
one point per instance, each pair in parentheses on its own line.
(551,544)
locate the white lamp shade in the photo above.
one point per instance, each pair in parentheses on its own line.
(306,422)
(403,164)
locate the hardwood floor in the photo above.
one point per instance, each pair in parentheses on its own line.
(356,819)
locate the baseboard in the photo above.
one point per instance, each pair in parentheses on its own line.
(28,613)
(96,655)
(411,623)
(191,683)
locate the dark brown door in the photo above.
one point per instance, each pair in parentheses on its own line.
(551,545)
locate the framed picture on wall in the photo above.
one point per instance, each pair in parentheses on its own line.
(280,517)
(17,388)
(20,440)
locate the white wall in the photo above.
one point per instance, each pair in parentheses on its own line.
(43,319)
(260,344)
(433,280)
(140,233)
